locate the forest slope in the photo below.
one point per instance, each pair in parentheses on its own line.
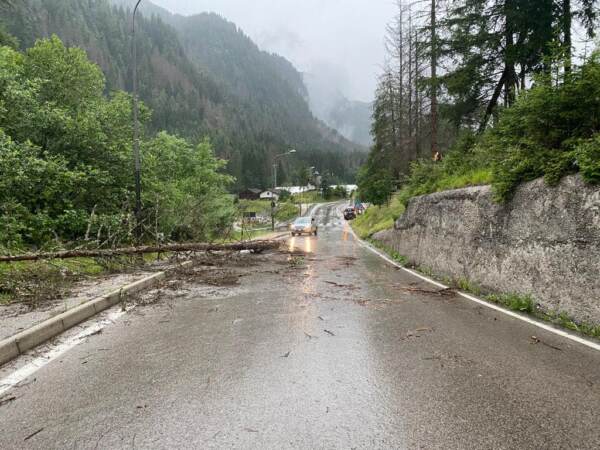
(201,76)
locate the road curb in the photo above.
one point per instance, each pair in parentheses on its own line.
(24,341)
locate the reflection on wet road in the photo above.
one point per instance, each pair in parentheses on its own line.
(326,347)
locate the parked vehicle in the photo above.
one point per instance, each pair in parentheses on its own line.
(359,208)
(304,225)
(349,214)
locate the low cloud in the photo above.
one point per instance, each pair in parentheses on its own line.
(346,36)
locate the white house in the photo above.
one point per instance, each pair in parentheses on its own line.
(269,195)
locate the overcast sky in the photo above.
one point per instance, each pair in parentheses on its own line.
(339,39)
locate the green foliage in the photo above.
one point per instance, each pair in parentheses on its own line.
(515,302)
(397,257)
(564,320)
(587,156)
(548,131)
(185,187)
(284,196)
(467,286)
(464,165)
(375,185)
(66,165)
(308,197)
(552,130)
(37,194)
(378,218)
(326,190)
(286,211)
(329,193)
(339,192)
(65,75)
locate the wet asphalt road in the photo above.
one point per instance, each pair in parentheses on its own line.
(322,352)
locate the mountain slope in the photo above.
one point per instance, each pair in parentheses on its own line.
(200,76)
(351,118)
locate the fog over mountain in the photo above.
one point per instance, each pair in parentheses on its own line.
(347,35)
(337,44)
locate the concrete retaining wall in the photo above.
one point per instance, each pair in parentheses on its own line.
(545,242)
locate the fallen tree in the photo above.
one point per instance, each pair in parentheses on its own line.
(254,246)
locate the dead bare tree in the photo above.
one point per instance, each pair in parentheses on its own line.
(434,81)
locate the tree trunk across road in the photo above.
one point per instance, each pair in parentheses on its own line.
(256,246)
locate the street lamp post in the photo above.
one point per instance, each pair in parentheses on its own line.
(292,151)
(310,174)
(136,136)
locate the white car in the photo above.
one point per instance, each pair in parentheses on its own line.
(304,225)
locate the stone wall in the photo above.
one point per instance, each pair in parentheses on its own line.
(545,242)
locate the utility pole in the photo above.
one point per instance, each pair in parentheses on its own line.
(418,111)
(289,152)
(136,137)
(273,199)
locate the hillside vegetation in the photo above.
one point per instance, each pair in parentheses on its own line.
(66,160)
(200,76)
(512,105)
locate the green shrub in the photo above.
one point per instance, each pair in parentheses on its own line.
(587,156)
(378,218)
(286,211)
(461,167)
(551,131)
(65,159)
(375,185)
(515,302)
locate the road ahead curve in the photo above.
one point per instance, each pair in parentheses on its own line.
(336,349)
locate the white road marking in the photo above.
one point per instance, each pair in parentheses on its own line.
(529,320)
(73,340)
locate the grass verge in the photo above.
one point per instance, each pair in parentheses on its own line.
(396,257)
(33,283)
(378,218)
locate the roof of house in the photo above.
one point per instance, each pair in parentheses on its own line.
(253,190)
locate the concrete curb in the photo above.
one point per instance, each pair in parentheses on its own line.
(24,341)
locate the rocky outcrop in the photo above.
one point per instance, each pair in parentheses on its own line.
(544,242)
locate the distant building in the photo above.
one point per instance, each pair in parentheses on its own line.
(270,195)
(250,194)
(297,189)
